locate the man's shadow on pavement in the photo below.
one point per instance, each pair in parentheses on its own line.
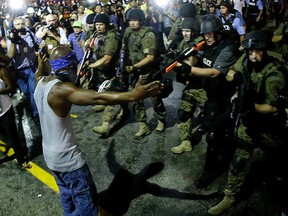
(127,186)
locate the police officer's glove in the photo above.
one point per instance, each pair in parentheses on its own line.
(241,48)
(129,69)
(238,78)
(185,68)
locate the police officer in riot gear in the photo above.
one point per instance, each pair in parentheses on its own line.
(142,59)
(262,119)
(218,56)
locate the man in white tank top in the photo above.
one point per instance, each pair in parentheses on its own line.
(54,95)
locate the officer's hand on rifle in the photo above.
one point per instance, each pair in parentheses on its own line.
(235,76)
(129,69)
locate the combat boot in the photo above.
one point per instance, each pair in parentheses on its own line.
(103,129)
(185,146)
(160,127)
(98,108)
(226,204)
(143,131)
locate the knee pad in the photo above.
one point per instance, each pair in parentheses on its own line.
(238,165)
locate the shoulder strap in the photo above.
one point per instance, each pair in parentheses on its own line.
(33,40)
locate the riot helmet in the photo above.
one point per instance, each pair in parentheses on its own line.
(187,10)
(255,40)
(188,23)
(102,18)
(211,23)
(90,18)
(137,14)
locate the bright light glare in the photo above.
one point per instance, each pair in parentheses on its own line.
(162,3)
(16,4)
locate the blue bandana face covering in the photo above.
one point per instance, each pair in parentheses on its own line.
(66,75)
(63,62)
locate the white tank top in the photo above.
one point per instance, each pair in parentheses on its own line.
(58,141)
(5,101)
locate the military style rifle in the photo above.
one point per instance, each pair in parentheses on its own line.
(83,66)
(120,82)
(242,103)
(183,55)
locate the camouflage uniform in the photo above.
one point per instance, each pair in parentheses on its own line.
(108,43)
(257,130)
(192,95)
(140,43)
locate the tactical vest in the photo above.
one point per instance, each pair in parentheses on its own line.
(99,49)
(258,79)
(133,44)
(252,8)
(273,69)
(229,30)
(217,87)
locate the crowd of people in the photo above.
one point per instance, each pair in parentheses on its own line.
(238,89)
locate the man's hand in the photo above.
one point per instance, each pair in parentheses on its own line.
(148,90)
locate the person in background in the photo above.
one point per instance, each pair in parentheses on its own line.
(253,14)
(111,15)
(34,19)
(52,33)
(22,45)
(75,39)
(8,121)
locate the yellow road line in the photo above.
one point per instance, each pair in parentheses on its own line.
(36,171)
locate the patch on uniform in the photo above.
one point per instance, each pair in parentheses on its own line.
(274,87)
(146,50)
(148,42)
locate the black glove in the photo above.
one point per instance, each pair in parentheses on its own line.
(238,78)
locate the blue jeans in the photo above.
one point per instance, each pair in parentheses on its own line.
(78,192)
(27,84)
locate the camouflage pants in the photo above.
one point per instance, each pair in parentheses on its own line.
(111,111)
(108,113)
(271,144)
(139,109)
(190,97)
